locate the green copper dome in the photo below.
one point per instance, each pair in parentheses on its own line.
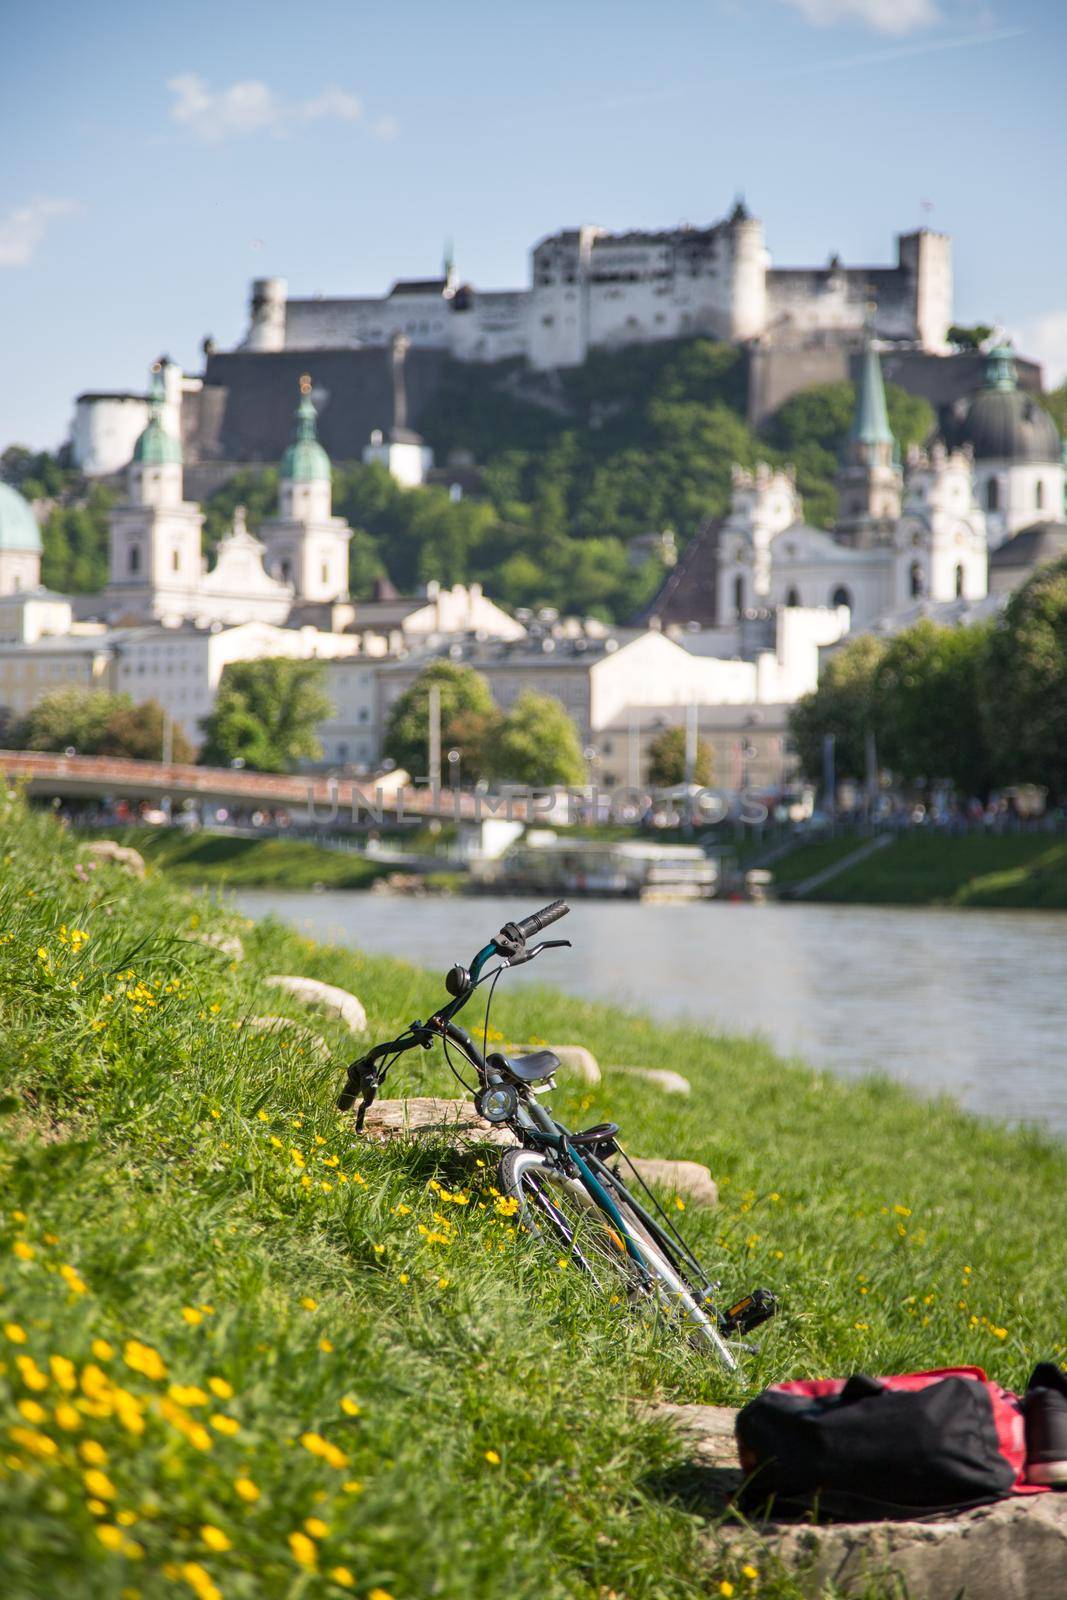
(156,447)
(870,423)
(305,461)
(18,525)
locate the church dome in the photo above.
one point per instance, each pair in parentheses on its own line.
(305,461)
(1003,422)
(156,447)
(18,525)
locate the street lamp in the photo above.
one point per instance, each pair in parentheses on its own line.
(453,768)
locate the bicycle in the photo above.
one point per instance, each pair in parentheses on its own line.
(560,1180)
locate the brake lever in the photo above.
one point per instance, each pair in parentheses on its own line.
(528,955)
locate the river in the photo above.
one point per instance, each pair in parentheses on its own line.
(970,1002)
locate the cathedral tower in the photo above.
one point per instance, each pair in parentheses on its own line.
(155,560)
(306,544)
(869,483)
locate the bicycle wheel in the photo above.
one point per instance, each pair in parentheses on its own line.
(553,1206)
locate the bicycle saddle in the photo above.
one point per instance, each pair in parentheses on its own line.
(533,1068)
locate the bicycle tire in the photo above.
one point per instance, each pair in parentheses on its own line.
(551,1204)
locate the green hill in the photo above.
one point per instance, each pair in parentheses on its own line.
(242,1355)
(575,464)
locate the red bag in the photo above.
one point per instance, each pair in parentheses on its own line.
(860,1446)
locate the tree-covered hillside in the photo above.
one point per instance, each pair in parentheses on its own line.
(574,465)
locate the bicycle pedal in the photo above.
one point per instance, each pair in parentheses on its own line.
(750,1312)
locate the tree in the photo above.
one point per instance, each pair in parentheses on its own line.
(1024,684)
(927,688)
(72,716)
(844,704)
(666,760)
(468,718)
(139,732)
(537,744)
(265,715)
(972,338)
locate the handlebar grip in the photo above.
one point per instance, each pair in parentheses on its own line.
(540,920)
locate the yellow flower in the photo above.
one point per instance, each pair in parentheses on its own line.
(63,1371)
(349,1406)
(20,1217)
(31,1374)
(67,1418)
(91,1451)
(192,1316)
(142,1358)
(220,1388)
(748,1570)
(379,1594)
(227,1425)
(200,1581)
(246,1489)
(326,1346)
(32,1412)
(404,1277)
(98,1484)
(726,1588)
(316,1527)
(101,1350)
(352,1486)
(126,1519)
(304,1550)
(316,1445)
(492,1458)
(902,1211)
(187,1394)
(262,1115)
(24,1251)
(214,1538)
(342,1576)
(13,1332)
(309,1304)
(110,1536)
(73,1281)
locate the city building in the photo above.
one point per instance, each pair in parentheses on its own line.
(20,543)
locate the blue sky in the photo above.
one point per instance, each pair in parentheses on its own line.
(158,158)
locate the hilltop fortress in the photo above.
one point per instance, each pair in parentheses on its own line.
(591,289)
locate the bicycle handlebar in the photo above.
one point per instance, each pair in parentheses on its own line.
(542,919)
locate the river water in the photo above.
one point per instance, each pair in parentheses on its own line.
(970,1002)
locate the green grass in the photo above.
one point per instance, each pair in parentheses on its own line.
(218,858)
(807,859)
(150,1198)
(1013,870)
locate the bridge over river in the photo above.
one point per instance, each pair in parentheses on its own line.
(318,797)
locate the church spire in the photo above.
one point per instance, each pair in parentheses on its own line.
(305,461)
(156,447)
(870,422)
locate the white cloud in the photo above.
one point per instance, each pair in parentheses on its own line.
(22,230)
(252,107)
(1045,339)
(895,17)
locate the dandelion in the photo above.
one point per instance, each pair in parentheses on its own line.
(247,1490)
(342,1576)
(126,1519)
(143,1359)
(200,1581)
(378,1249)
(227,1425)
(563,1263)
(24,1251)
(73,1281)
(379,1594)
(316,1445)
(352,1486)
(309,1304)
(748,1570)
(110,1537)
(63,1371)
(214,1538)
(101,1350)
(31,1374)
(13,1332)
(316,1527)
(98,1484)
(304,1550)
(192,1316)
(92,1452)
(186,1394)
(262,1115)
(404,1278)
(326,1346)
(220,1388)
(902,1211)
(67,1418)
(349,1406)
(862,1327)
(493,1458)
(726,1588)
(32,1412)
(679,1205)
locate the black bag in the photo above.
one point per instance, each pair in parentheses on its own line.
(870,1450)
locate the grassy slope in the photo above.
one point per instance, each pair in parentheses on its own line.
(1020,870)
(149,1192)
(216,858)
